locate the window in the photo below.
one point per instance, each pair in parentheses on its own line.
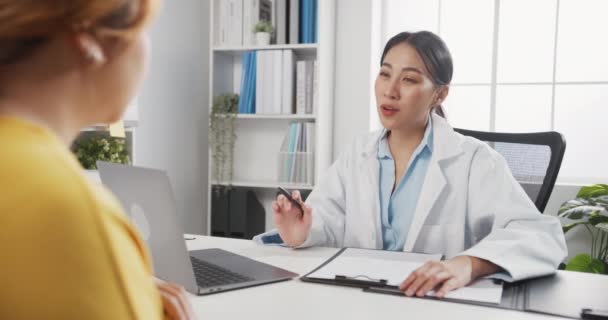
(521,66)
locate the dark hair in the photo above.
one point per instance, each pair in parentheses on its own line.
(434,53)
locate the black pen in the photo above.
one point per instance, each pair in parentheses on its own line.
(290,198)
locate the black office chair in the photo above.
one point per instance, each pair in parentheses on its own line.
(534,159)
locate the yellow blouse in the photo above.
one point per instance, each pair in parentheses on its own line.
(66,249)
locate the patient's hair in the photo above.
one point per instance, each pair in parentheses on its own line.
(27,24)
(434,53)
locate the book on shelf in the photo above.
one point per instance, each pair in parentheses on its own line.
(248,85)
(296,156)
(288,77)
(235,22)
(308,21)
(281,15)
(294,21)
(305,88)
(271,84)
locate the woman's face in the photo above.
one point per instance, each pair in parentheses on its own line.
(405,93)
(117,80)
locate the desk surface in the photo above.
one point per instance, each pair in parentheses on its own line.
(299,300)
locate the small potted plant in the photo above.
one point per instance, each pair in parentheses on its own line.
(89,149)
(262,31)
(590,210)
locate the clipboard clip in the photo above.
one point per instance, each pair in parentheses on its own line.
(588,313)
(361,281)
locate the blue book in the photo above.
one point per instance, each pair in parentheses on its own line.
(310,17)
(315,24)
(301,26)
(244,84)
(307,16)
(252,82)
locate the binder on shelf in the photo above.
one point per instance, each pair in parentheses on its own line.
(247,216)
(223,24)
(296,157)
(309,78)
(235,22)
(219,212)
(287,105)
(276,91)
(236,213)
(315,88)
(259,81)
(281,21)
(294,21)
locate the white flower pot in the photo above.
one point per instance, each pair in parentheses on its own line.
(262,38)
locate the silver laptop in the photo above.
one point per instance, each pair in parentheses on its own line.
(148,200)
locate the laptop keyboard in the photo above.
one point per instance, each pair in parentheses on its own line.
(209,275)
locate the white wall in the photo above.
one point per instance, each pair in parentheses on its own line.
(352,87)
(172,134)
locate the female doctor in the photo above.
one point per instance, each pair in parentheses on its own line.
(419,186)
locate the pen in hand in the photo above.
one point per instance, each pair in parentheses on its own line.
(287,195)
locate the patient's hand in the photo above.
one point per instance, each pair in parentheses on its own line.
(175,301)
(445,276)
(292,224)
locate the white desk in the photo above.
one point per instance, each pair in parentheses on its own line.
(295,299)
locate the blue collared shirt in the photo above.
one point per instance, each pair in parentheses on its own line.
(398,207)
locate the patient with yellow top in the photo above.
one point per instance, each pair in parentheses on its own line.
(66,249)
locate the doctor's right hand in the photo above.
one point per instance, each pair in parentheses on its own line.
(293,224)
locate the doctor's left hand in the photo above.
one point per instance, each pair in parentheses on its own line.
(445,276)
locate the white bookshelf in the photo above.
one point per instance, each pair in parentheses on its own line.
(259,137)
(298,48)
(292,117)
(266,185)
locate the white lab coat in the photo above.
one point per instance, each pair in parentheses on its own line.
(469,204)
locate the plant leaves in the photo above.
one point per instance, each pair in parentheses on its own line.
(602,226)
(584,263)
(569,226)
(577,213)
(597,218)
(595,190)
(572,204)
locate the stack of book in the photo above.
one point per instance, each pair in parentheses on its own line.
(294,21)
(296,157)
(272,84)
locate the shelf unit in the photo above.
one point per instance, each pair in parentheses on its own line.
(259,137)
(292,117)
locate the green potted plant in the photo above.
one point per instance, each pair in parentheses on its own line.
(90,148)
(589,210)
(262,31)
(222,136)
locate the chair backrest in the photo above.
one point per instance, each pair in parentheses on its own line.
(534,159)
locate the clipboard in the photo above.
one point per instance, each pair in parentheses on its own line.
(364,280)
(566,294)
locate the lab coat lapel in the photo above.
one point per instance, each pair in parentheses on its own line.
(446,144)
(371,169)
(431,189)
